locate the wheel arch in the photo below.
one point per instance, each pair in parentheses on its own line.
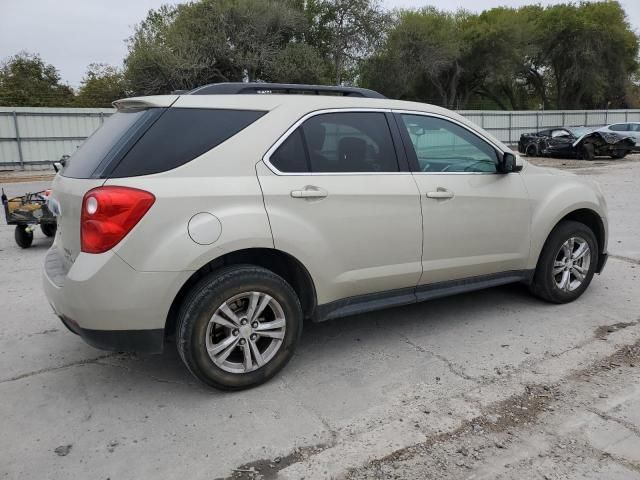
(592,220)
(277,261)
(587,217)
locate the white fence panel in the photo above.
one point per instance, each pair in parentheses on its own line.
(32,136)
(43,135)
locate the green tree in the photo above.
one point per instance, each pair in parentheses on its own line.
(102,84)
(298,63)
(26,80)
(560,56)
(345,32)
(212,41)
(589,65)
(421,58)
(500,57)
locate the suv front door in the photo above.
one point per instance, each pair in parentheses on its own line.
(476,221)
(341,201)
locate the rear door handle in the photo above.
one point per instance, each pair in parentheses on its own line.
(310,191)
(441,193)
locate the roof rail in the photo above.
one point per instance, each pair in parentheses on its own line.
(282,88)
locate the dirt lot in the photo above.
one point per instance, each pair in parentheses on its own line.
(486,385)
(572,164)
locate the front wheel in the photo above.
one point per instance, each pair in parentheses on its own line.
(238,327)
(587,152)
(23,236)
(618,154)
(567,263)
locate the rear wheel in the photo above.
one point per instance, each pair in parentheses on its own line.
(567,263)
(23,236)
(238,327)
(49,229)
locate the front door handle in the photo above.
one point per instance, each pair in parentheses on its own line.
(441,193)
(309,191)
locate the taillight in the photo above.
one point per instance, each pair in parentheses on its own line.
(108,214)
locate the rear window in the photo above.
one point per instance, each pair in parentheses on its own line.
(107,142)
(155,140)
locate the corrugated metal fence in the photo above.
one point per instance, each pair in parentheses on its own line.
(32,136)
(508,126)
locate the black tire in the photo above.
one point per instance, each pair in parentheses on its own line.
(618,154)
(24,238)
(532,151)
(587,152)
(544,283)
(204,300)
(49,229)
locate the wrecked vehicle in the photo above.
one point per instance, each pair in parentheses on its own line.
(575,142)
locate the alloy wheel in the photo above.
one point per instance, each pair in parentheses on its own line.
(245,332)
(571,264)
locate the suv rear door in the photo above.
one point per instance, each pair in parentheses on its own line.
(341,201)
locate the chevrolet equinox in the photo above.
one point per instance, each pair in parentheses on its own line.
(226,216)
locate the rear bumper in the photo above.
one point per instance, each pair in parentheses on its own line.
(108,303)
(143,341)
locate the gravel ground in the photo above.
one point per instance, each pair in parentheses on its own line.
(572,164)
(491,384)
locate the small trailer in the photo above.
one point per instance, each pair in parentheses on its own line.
(26,212)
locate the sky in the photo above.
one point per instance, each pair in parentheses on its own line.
(71,34)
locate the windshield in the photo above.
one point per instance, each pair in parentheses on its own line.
(580,131)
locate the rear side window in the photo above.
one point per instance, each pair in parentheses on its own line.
(179,136)
(349,142)
(290,156)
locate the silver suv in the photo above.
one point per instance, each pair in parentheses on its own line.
(227,216)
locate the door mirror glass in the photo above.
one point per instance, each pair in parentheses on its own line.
(508,163)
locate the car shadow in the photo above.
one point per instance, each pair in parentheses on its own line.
(375,329)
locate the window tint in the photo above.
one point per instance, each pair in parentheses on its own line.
(620,127)
(350,142)
(443,146)
(179,136)
(107,141)
(634,127)
(290,156)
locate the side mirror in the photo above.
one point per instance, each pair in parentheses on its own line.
(508,163)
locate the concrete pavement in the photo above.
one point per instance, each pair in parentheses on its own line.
(358,389)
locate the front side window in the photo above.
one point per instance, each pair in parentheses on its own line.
(560,133)
(349,142)
(443,146)
(620,127)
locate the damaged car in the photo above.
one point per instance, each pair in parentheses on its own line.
(575,142)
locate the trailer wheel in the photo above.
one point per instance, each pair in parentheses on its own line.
(49,229)
(24,237)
